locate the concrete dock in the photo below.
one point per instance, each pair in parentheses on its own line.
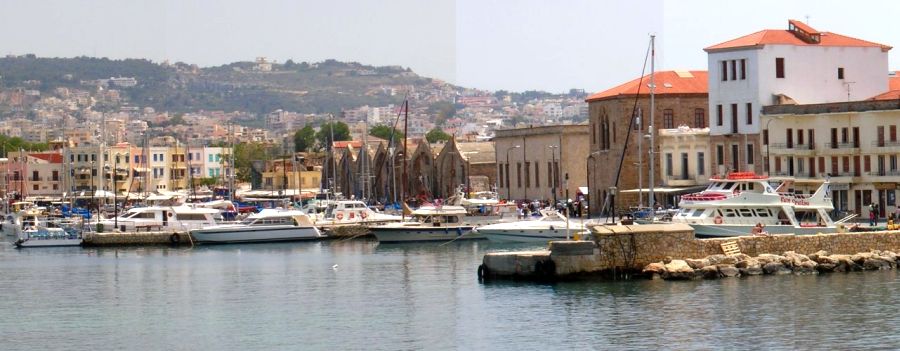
(620,251)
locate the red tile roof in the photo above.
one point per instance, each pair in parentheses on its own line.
(893,92)
(356,144)
(51,157)
(786,37)
(667,82)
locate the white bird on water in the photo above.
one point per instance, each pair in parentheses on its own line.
(334,267)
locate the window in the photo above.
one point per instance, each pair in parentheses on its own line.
(880,135)
(845,138)
(743,69)
(765,137)
(893,160)
(749,154)
(500,175)
(155,158)
(35,187)
(789,133)
(701,164)
(734,119)
(812,138)
(735,153)
(550,174)
(668,119)
(527,174)
(724,71)
(893,133)
(733,70)
(834,139)
(856,137)
(537,175)
(669,164)
(684,165)
(840,72)
(211,158)
(779,67)
(699,118)
(519,174)
(749,113)
(720,155)
(719,117)
(55,176)
(799,136)
(508,185)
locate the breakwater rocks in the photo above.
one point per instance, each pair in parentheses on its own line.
(790,262)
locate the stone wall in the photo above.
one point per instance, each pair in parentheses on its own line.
(633,247)
(135,238)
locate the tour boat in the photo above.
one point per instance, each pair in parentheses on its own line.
(44,232)
(344,212)
(428,223)
(733,205)
(167,218)
(265,226)
(552,225)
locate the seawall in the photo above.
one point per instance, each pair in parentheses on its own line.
(617,248)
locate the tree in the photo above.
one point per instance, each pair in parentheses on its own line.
(208,182)
(304,139)
(437,134)
(384,132)
(442,111)
(341,133)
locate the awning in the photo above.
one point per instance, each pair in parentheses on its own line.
(583,190)
(663,190)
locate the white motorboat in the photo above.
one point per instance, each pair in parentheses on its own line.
(478,199)
(41,232)
(265,226)
(550,226)
(428,223)
(167,218)
(344,212)
(738,203)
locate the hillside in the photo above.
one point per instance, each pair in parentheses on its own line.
(327,86)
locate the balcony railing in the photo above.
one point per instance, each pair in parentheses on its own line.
(885,173)
(784,146)
(843,145)
(885,143)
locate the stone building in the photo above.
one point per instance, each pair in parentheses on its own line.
(684,160)
(620,116)
(546,162)
(458,163)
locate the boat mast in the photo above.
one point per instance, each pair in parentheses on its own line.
(333,161)
(651,198)
(404,179)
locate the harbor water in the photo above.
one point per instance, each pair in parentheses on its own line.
(358,294)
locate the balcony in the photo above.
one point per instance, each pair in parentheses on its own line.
(887,146)
(884,173)
(794,149)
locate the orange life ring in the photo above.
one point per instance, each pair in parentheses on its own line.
(363,215)
(352,215)
(718,220)
(340,216)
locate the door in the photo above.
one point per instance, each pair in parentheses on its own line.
(684,165)
(735,152)
(882,202)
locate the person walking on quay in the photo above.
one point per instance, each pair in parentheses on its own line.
(872,220)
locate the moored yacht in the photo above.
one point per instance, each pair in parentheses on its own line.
(550,226)
(737,203)
(428,223)
(167,218)
(344,212)
(267,225)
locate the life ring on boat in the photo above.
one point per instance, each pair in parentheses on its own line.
(483,272)
(718,220)
(363,215)
(340,216)
(174,239)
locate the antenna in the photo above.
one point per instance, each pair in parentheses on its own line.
(807,19)
(847,84)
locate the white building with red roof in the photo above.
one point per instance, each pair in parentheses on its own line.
(771,67)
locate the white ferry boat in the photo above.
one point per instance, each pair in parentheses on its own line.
(265,226)
(167,218)
(734,205)
(552,225)
(428,223)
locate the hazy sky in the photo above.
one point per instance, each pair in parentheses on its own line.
(490,44)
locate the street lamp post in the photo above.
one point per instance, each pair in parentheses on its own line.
(508,186)
(115,177)
(553,171)
(93,188)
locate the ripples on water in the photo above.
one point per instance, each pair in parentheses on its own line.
(419,296)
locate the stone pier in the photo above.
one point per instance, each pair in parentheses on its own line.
(617,249)
(137,238)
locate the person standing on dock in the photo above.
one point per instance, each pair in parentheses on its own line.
(872,218)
